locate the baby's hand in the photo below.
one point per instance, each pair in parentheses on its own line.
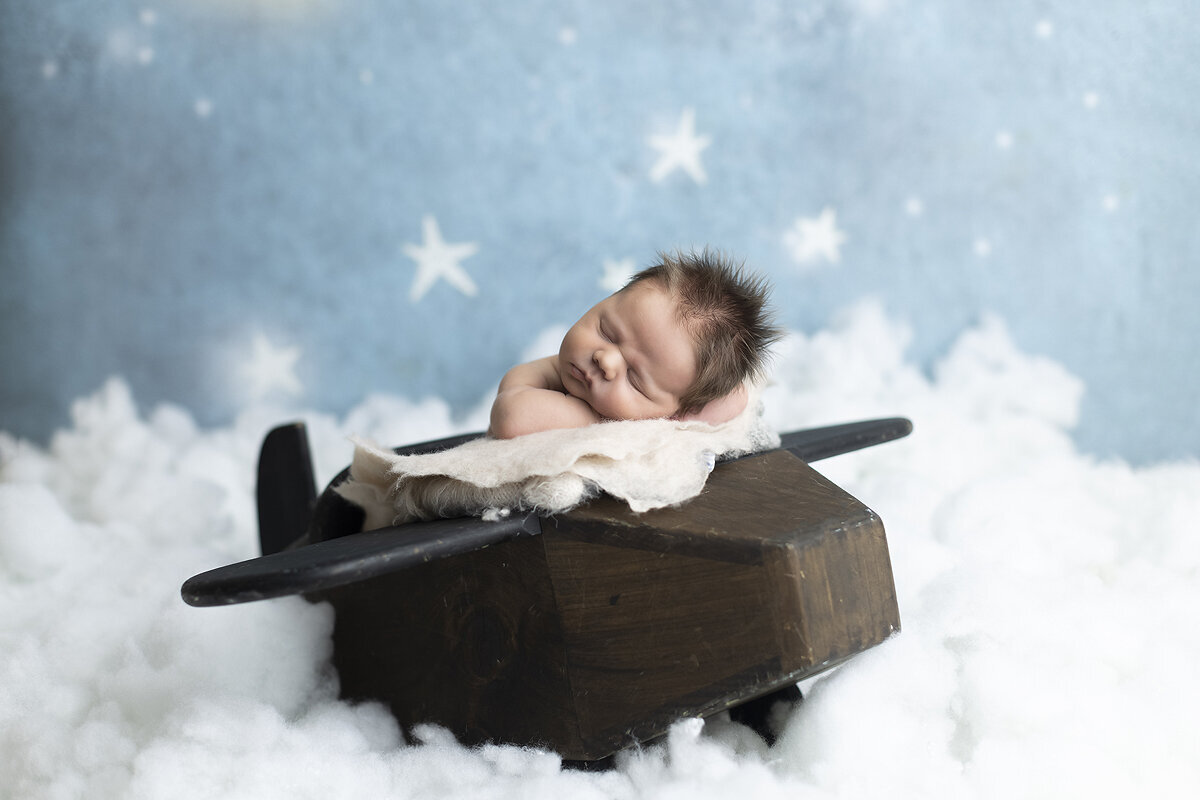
(722,409)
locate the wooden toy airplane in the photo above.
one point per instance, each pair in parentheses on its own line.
(589,630)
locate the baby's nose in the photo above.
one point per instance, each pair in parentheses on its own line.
(608,362)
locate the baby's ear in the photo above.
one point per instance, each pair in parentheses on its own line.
(720,410)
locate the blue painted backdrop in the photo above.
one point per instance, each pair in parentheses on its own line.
(317,199)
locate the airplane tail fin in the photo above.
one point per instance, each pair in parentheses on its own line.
(286,487)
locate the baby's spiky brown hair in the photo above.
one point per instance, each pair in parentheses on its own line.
(725,309)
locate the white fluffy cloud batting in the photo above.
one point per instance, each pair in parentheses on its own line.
(1048,645)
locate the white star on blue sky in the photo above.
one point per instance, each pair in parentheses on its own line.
(270,369)
(680,150)
(437,259)
(811,240)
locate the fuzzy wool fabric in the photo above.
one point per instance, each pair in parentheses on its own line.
(647,463)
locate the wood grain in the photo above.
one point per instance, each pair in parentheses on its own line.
(611,625)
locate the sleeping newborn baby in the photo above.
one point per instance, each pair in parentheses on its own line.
(679,341)
(677,344)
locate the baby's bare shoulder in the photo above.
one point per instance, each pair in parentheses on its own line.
(525,409)
(539,374)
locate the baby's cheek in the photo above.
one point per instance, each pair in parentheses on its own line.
(606,411)
(607,408)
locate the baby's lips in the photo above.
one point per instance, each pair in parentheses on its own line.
(580,375)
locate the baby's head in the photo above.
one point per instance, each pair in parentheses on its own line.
(682,333)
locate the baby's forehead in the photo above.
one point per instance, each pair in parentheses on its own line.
(641,306)
(640,301)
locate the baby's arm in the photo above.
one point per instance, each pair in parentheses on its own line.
(531,398)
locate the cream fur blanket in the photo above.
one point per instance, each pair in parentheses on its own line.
(647,463)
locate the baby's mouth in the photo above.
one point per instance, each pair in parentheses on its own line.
(580,375)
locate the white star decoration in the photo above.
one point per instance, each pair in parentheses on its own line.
(271,369)
(680,150)
(812,239)
(616,273)
(437,259)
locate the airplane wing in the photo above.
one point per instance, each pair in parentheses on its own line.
(349,559)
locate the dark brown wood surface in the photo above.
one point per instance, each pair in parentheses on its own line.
(769,576)
(472,642)
(611,625)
